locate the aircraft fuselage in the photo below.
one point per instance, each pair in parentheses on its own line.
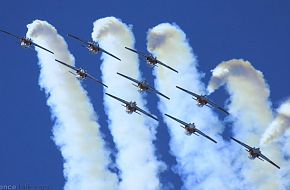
(131,107)
(93,48)
(151,60)
(143,86)
(81,74)
(189,129)
(25,42)
(201,101)
(254,153)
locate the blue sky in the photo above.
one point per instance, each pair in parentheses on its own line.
(217,31)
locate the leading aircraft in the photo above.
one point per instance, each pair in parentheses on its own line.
(143,86)
(80,73)
(203,100)
(132,107)
(26,42)
(151,60)
(93,47)
(190,128)
(255,153)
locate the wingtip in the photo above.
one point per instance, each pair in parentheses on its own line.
(233,138)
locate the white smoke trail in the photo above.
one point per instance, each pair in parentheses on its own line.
(132,134)
(251,111)
(279,128)
(248,91)
(201,164)
(279,125)
(76,131)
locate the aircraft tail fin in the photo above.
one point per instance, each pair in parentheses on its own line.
(72,73)
(260,158)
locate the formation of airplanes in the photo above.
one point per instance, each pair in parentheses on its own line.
(143,86)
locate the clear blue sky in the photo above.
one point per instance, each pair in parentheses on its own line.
(257,31)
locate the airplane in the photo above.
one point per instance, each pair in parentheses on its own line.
(26,42)
(143,86)
(203,100)
(255,153)
(132,107)
(80,73)
(190,128)
(151,60)
(93,47)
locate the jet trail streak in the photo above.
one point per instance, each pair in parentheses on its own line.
(201,164)
(279,125)
(76,131)
(251,112)
(133,134)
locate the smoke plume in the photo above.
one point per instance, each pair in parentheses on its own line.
(76,131)
(133,134)
(201,163)
(279,125)
(251,114)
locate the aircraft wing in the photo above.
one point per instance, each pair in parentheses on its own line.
(90,76)
(11,34)
(138,52)
(182,122)
(134,80)
(121,100)
(241,143)
(67,65)
(217,106)
(144,112)
(77,38)
(268,160)
(223,110)
(109,54)
(42,47)
(166,66)
(193,94)
(157,92)
(201,133)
